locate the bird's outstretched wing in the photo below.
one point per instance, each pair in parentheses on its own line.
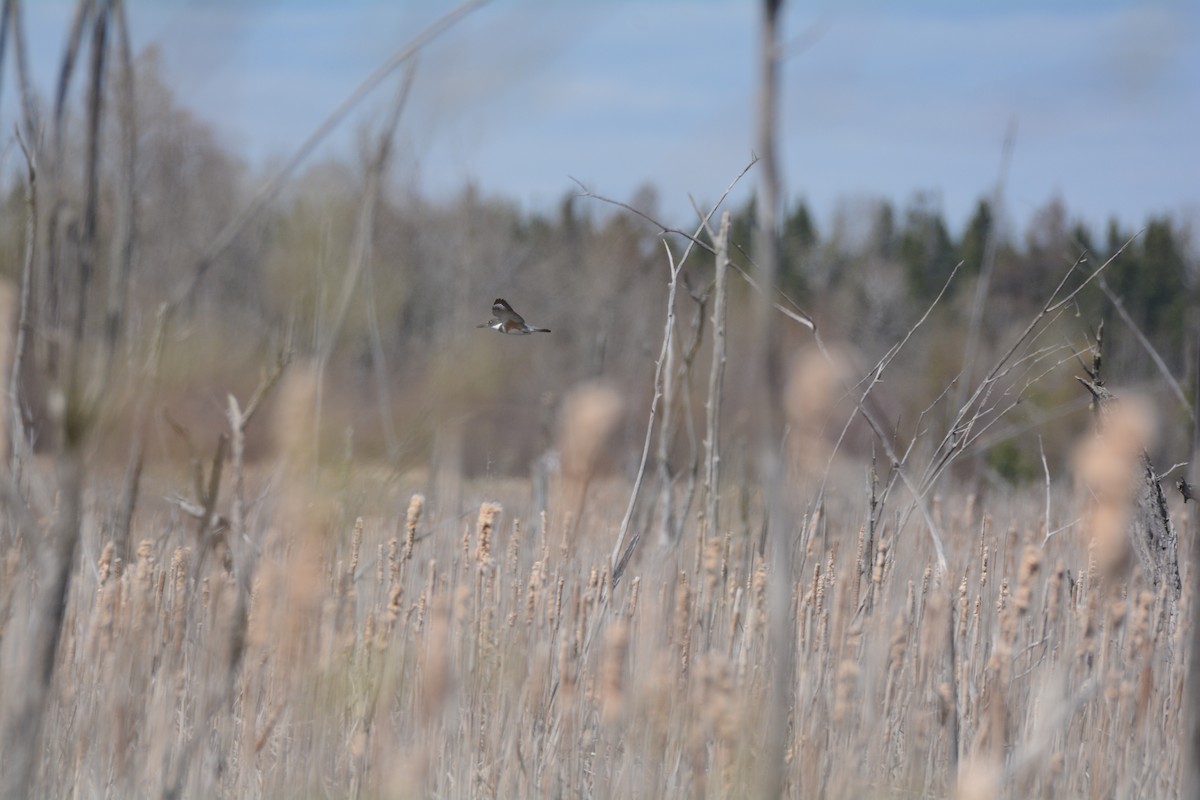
(504,312)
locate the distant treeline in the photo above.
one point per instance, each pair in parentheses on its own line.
(1156,275)
(594,273)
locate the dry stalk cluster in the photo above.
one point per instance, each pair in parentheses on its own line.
(512,668)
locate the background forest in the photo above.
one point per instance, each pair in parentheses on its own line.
(408,360)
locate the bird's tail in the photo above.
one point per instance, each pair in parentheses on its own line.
(539,330)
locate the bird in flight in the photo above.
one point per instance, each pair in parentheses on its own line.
(505,320)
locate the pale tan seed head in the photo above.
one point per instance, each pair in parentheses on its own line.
(814,391)
(612,677)
(589,416)
(484,530)
(1031,562)
(412,520)
(979,779)
(1106,464)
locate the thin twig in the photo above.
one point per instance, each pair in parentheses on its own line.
(29,111)
(665,477)
(1061,528)
(969,414)
(83,12)
(1164,475)
(238,420)
(618,556)
(1163,370)
(990,247)
(17,441)
(693,238)
(917,496)
(5,19)
(1046,471)
(209,499)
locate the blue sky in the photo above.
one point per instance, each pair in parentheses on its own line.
(879,98)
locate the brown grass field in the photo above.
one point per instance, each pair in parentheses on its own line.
(279,617)
(387,647)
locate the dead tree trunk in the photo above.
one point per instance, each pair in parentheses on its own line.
(777,534)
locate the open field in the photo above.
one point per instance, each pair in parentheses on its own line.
(413,652)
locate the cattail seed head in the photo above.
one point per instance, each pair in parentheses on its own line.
(483,533)
(612,677)
(412,520)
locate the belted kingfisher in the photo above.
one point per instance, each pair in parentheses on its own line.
(505,320)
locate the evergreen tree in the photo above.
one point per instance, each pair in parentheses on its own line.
(799,240)
(798,227)
(883,231)
(741,232)
(925,248)
(1150,277)
(975,238)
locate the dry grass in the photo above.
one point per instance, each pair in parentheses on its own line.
(344,635)
(409,653)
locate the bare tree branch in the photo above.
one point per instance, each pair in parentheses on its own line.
(5,20)
(238,420)
(716,381)
(619,555)
(56,553)
(960,432)
(29,113)
(83,12)
(121,264)
(693,238)
(989,262)
(665,476)
(1163,370)
(17,440)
